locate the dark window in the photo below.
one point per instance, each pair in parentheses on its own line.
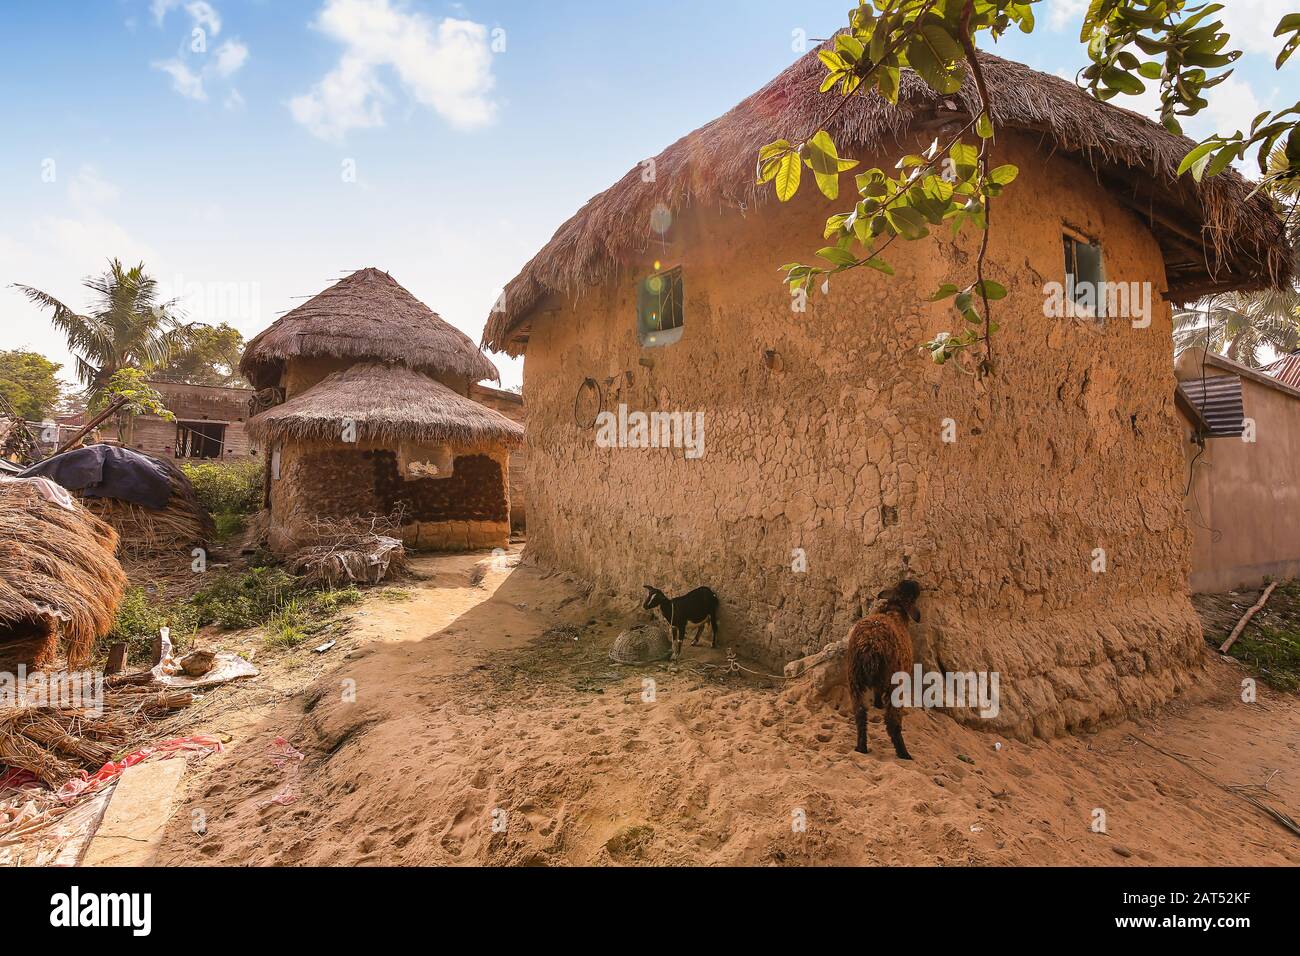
(200,440)
(659,316)
(1085,276)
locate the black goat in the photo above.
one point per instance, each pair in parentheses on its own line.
(699,606)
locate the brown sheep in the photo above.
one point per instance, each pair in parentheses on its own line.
(880,647)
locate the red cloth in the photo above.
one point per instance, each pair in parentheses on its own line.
(169,748)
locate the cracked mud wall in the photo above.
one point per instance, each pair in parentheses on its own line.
(823,433)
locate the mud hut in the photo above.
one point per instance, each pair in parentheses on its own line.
(368,414)
(1041,506)
(60,582)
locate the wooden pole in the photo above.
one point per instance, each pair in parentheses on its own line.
(1241,625)
(91,425)
(116,659)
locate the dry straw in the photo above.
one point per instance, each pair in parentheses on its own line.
(59,576)
(1213,238)
(368,315)
(144,532)
(386,403)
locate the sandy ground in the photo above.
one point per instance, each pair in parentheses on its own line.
(482,722)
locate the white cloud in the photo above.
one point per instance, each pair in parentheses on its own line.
(1233,104)
(347,98)
(234,100)
(184,80)
(1065,13)
(445,65)
(226,61)
(230,57)
(1252,22)
(87,188)
(204,15)
(159,9)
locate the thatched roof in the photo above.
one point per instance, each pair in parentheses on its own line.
(58,573)
(1212,238)
(368,315)
(387,403)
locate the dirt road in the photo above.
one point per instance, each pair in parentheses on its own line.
(482,722)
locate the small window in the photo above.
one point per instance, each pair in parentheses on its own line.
(436,462)
(659,317)
(200,439)
(1085,277)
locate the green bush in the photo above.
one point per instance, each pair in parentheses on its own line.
(237,601)
(140,618)
(227,487)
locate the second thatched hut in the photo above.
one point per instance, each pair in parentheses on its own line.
(365,412)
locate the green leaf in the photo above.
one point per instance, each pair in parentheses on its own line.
(984,127)
(1004,175)
(991,290)
(837,256)
(965,158)
(788,176)
(945,291)
(880,265)
(1196,155)
(907,222)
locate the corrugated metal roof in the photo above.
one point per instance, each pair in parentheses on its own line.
(1286,370)
(1218,399)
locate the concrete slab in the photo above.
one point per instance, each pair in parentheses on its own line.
(132,828)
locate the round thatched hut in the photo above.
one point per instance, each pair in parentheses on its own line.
(369,415)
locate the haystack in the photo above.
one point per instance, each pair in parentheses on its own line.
(149,501)
(149,533)
(60,582)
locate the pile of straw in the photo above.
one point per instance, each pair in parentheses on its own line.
(57,744)
(351,551)
(180,527)
(59,578)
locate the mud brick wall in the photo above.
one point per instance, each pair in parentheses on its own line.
(824,436)
(475,491)
(468,510)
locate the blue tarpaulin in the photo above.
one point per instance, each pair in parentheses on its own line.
(106,471)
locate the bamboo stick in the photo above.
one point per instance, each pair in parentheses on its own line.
(1241,625)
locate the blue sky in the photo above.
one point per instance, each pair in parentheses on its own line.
(292,141)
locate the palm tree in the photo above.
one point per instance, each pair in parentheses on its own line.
(126,326)
(1243,325)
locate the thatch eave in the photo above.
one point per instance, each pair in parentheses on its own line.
(1213,236)
(386,404)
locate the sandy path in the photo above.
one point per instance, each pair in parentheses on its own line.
(482,732)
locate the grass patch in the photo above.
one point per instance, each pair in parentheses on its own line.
(1273,653)
(230,490)
(266,597)
(395,595)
